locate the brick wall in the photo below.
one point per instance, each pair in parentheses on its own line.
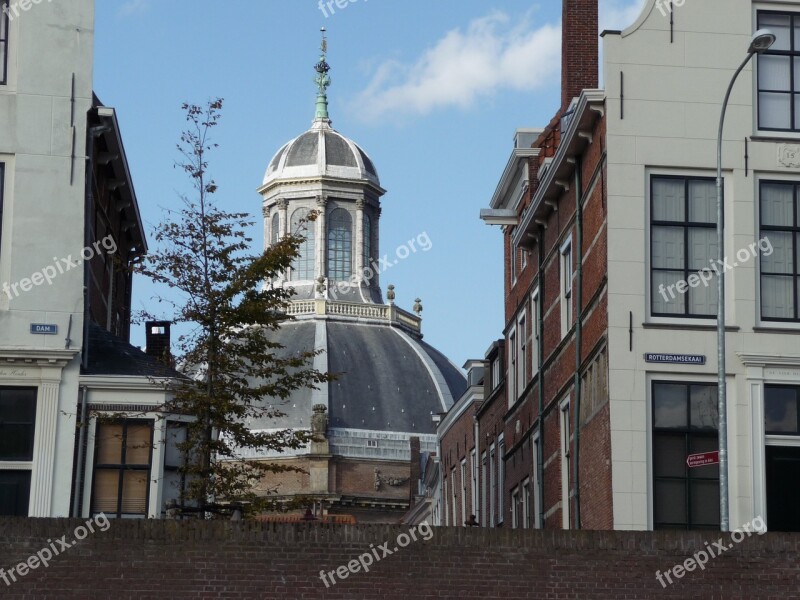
(168,559)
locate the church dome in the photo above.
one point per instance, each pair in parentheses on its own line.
(321,152)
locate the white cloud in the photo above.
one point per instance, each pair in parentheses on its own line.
(463,66)
(466,65)
(132,7)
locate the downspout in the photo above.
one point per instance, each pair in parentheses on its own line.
(540,362)
(578,331)
(81,462)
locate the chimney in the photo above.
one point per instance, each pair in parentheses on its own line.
(579,48)
(157,339)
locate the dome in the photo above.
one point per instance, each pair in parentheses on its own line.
(389,380)
(321,152)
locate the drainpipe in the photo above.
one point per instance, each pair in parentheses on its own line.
(540,361)
(79,468)
(578,331)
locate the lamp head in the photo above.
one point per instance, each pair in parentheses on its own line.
(762,41)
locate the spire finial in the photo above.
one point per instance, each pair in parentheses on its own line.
(323,81)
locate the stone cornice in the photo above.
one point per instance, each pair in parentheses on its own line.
(39,357)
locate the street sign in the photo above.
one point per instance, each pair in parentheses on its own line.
(675,359)
(703,459)
(44,329)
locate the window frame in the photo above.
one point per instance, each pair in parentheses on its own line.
(567,274)
(475,485)
(492,487)
(794,55)
(122,467)
(686,225)
(304,267)
(564,433)
(27,459)
(686,433)
(513,347)
(5,45)
(535,333)
(339,252)
(783,386)
(515,496)
(522,353)
(794,230)
(463,489)
(501,479)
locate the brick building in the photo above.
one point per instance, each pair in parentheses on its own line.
(605,383)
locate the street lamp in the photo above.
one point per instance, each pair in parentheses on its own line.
(761,42)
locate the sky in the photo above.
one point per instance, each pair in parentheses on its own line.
(432,90)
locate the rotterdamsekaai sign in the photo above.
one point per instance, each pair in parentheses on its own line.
(675,359)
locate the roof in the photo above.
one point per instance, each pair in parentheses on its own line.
(388,381)
(109,355)
(321,152)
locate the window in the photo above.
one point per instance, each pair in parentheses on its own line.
(17,429)
(444,500)
(304,265)
(367,240)
(276,228)
(780,224)
(526,504)
(535,331)
(781,410)
(17,423)
(537,500)
(453,491)
(2,189)
(492,488)
(484,491)
(683,246)
(565,464)
(340,245)
(175,464)
(566,287)
(4,21)
(123,452)
(15,489)
(495,373)
(515,508)
(513,255)
(512,367)
(501,479)
(684,422)
(463,490)
(475,507)
(779,73)
(522,366)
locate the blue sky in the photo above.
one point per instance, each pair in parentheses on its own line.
(433,91)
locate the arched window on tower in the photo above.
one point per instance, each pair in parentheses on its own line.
(367,241)
(340,245)
(275,233)
(303,266)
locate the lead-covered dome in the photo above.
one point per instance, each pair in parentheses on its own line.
(321,152)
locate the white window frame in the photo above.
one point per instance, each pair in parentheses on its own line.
(566,272)
(522,354)
(501,479)
(495,373)
(484,489)
(463,490)
(454,494)
(537,500)
(526,503)
(444,501)
(513,347)
(475,488)
(492,487)
(514,512)
(534,344)
(564,432)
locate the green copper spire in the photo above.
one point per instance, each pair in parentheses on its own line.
(323,81)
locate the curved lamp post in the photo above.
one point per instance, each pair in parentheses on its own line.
(761,42)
